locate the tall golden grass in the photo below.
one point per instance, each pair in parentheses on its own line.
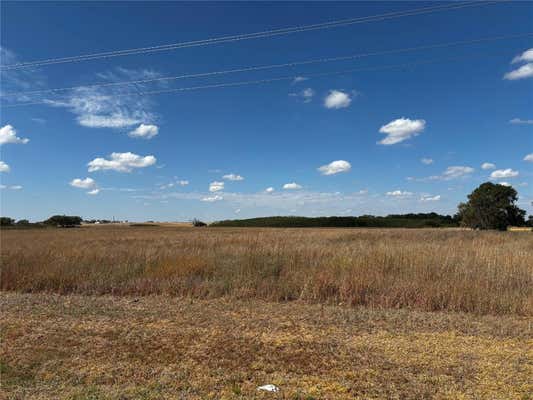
(428,269)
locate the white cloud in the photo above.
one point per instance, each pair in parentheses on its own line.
(183,182)
(292,186)
(426,161)
(427,197)
(525,71)
(504,173)
(363,191)
(144,131)
(86,183)
(399,193)
(8,134)
(335,167)
(401,129)
(529,157)
(121,162)
(15,187)
(216,186)
(518,121)
(525,56)
(488,165)
(504,183)
(211,199)
(93,192)
(233,177)
(337,99)
(4,167)
(269,189)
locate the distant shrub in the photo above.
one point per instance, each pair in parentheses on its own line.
(197,223)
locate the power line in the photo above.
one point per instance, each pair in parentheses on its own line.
(264,81)
(248,36)
(274,66)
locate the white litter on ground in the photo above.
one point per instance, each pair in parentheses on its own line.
(269,388)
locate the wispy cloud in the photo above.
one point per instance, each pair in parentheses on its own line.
(454,172)
(299,79)
(211,199)
(428,197)
(306,95)
(450,173)
(233,177)
(529,157)
(488,165)
(519,121)
(16,81)
(399,193)
(109,106)
(426,161)
(12,187)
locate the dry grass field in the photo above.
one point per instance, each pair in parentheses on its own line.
(124,312)
(423,269)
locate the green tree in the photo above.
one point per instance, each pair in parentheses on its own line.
(491,206)
(64,220)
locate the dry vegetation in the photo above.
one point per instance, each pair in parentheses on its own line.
(429,270)
(119,313)
(157,347)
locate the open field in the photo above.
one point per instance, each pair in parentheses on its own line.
(154,312)
(157,347)
(427,269)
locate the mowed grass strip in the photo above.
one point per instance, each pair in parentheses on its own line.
(422,269)
(158,347)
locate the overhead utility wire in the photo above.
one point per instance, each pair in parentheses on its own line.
(272,66)
(268,33)
(262,81)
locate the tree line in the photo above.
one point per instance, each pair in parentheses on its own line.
(490,206)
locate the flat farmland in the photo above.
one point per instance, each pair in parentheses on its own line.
(165,312)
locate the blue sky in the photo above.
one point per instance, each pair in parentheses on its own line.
(385,139)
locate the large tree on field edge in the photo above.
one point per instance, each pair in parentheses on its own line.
(491,206)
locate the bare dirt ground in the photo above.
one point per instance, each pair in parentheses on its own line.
(158,347)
